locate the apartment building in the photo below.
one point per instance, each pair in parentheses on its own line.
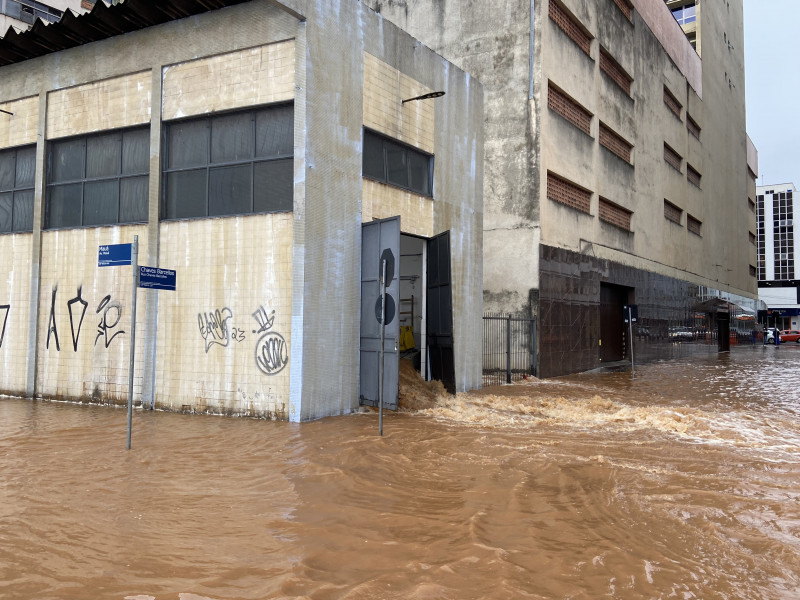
(274,155)
(618,171)
(778,275)
(21,15)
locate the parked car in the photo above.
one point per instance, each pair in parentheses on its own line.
(790,335)
(681,334)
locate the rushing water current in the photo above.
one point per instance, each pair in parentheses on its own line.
(681,482)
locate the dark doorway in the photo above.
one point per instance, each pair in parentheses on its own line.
(440,312)
(612,336)
(723,331)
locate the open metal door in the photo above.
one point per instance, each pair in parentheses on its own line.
(440,312)
(379,240)
(612,329)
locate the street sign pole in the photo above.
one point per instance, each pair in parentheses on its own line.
(380,354)
(135,264)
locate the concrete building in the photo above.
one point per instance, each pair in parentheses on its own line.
(687,14)
(618,170)
(778,277)
(272,154)
(21,15)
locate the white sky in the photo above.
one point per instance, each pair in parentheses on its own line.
(772,87)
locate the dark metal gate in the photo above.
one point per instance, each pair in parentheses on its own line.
(440,312)
(509,348)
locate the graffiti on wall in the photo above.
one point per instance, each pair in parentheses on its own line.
(271,351)
(214,328)
(4,310)
(106,324)
(77,307)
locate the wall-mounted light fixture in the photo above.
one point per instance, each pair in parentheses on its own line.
(425,97)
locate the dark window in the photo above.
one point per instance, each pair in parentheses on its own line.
(615,72)
(672,212)
(233,164)
(694,225)
(16,189)
(99,179)
(568,108)
(571,27)
(392,162)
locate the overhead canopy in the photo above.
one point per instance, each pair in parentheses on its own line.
(716,304)
(101,23)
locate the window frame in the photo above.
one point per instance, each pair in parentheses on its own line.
(118,177)
(385,178)
(16,188)
(210,166)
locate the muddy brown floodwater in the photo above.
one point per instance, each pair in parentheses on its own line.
(683,482)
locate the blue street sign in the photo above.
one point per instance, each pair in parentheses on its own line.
(114,255)
(157,279)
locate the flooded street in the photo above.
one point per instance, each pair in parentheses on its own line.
(683,482)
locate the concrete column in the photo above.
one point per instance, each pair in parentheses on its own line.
(150,256)
(299,236)
(36,247)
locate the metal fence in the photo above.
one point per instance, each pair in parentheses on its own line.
(509,348)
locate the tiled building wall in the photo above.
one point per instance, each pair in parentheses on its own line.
(381,201)
(110,104)
(248,77)
(83,350)
(21,127)
(224,334)
(385,88)
(15,251)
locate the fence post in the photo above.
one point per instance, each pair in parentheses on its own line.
(508,349)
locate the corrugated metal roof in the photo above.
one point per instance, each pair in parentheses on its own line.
(100,23)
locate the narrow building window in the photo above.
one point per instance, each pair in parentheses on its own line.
(615,143)
(694,225)
(693,175)
(752,237)
(562,191)
(626,7)
(569,25)
(672,212)
(615,72)
(672,158)
(692,126)
(392,162)
(672,103)
(752,271)
(565,106)
(17,168)
(615,214)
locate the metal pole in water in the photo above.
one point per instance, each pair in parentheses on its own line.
(630,335)
(135,265)
(383,338)
(508,349)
